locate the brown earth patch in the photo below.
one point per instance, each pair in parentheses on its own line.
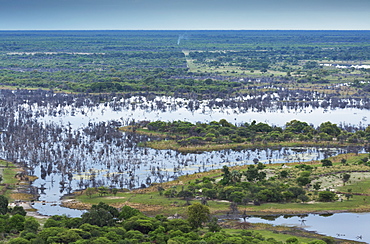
(114,197)
(142,207)
(75,204)
(21,196)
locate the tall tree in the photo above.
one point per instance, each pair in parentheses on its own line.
(345,178)
(198,214)
(3,204)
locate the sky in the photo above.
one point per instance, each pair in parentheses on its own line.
(184,15)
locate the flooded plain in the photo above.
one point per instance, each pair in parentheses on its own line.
(72,142)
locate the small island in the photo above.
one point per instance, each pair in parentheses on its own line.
(187,137)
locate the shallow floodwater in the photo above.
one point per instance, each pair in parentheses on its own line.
(350,226)
(174,109)
(53,208)
(78,158)
(115,164)
(158,166)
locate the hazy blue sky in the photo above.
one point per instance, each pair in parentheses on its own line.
(184,14)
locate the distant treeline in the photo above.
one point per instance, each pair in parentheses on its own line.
(136,61)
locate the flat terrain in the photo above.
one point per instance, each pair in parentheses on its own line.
(151,202)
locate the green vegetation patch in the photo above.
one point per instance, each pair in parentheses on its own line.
(210,63)
(257,189)
(188,137)
(14,178)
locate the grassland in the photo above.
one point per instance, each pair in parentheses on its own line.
(149,200)
(279,233)
(172,145)
(169,140)
(152,61)
(14,183)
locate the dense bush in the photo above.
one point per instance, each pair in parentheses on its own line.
(225,132)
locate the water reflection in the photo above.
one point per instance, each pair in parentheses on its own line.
(53,208)
(174,110)
(71,142)
(350,226)
(129,171)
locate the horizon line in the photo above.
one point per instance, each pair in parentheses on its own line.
(186,30)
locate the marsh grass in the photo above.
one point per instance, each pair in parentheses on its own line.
(10,182)
(8,171)
(151,202)
(168,142)
(211,146)
(21,196)
(279,233)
